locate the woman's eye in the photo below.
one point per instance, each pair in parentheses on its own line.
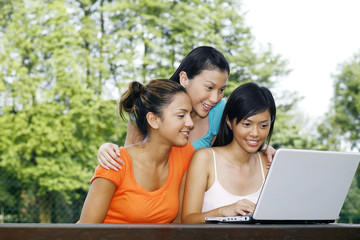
(181,115)
(246,124)
(222,90)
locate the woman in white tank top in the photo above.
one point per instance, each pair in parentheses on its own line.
(226,180)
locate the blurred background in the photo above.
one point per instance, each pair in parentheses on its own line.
(64,63)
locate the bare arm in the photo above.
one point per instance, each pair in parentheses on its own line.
(181,196)
(269,151)
(97,201)
(109,153)
(196,185)
(133,134)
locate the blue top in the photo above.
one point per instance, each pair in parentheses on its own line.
(215,115)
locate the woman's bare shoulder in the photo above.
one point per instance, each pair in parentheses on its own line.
(203,152)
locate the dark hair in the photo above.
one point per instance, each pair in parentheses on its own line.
(199,59)
(245,101)
(140,99)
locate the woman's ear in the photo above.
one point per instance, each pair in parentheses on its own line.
(184,80)
(228,122)
(153,120)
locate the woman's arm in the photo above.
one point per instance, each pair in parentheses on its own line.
(196,185)
(269,151)
(181,197)
(133,134)
(109,153)
(97,201)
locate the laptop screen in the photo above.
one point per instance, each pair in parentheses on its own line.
(306,185)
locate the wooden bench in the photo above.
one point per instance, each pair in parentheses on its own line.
(12,231)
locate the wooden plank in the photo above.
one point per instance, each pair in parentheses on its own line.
(177,231)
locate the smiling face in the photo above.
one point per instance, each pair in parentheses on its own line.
(176,123)
(205,89)
(250,133)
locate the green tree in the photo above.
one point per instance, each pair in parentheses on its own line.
(344,119)
(53,117)
(341,128)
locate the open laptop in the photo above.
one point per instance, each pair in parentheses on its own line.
(302,186)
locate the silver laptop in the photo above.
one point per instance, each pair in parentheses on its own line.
(302,186)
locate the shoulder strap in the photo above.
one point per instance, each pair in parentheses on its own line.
(261,164)
(214,163)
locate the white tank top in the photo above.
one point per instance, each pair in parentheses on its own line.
(217,196)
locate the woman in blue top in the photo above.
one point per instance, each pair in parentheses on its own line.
(204,73)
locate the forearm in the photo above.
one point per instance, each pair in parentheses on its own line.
(133,134)
(200,217)
(90,216)
(177,220)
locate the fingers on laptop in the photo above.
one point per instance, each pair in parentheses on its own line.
(242,207)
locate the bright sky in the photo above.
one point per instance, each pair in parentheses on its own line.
(315,36)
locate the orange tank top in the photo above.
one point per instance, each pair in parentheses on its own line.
(132,203)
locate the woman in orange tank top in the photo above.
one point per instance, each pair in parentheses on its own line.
(149,188)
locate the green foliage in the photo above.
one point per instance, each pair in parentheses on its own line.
(341,128)
(351,209)
(347,101)
(53,117)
